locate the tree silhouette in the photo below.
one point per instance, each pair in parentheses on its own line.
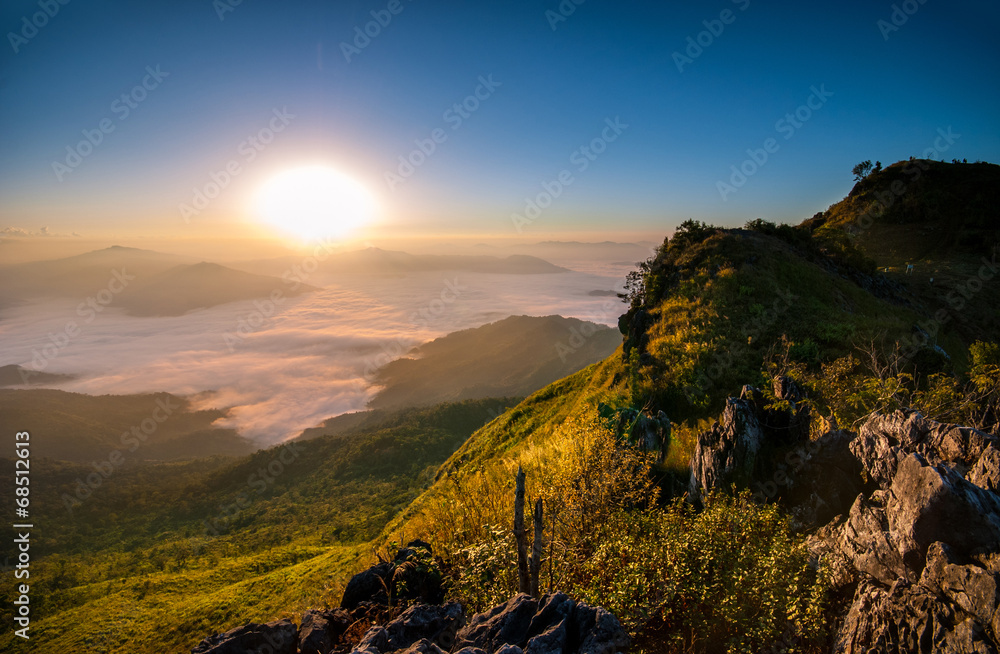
(862,169)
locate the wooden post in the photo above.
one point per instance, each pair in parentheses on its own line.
(536,549)
(523,584)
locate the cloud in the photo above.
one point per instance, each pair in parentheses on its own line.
(305,361)
(17,232)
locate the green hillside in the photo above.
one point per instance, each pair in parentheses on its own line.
(161,554)
(141,428)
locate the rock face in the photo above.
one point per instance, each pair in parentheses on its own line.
(921,551)
(904,515)
(726,454)
(555,624)
(279,637)
(321,630)
(409,576)
(767,450)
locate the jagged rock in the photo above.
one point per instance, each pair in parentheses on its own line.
(375,641)
(421,628)
(651,433)
(969,587)
(278,637)
(368,586)
(986,472)
(885,440)
(933,503)
(504,624)
(597,631)
(423,646)
(320,630)
(407,582)
(752,446)
(553,625)
(887,535)
(726,453)
(906,619)
(438,624)
(865,541)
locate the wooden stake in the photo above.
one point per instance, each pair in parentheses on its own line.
(523,583)
(536,549)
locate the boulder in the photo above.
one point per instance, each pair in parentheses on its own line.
(437,624)
(931,503)
(321,630)
(726,454)
(969,587)
(411,576)
(986,471)
(907,619)
(886,439)
(555,624)
(504,624)
(278,637)
(422,628)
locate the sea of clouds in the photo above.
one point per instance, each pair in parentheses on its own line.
(311,358)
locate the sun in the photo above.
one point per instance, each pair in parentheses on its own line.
(315,202)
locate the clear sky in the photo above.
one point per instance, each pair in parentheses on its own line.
(551,78)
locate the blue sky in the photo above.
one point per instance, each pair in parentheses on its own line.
(553,87)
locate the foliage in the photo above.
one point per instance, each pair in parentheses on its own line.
(885,377)
(731,577)
(862,170)
(731,574)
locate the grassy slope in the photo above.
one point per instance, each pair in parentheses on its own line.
(713,297)
(944,219)
(136,569)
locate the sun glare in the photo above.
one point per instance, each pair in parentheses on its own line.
(315,202)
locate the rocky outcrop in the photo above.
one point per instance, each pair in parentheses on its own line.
(409,577)
(555,624)
(921,550)
(885,440)
(905,619)
(726,454)
(321,630)
(279,637)
(904,515)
